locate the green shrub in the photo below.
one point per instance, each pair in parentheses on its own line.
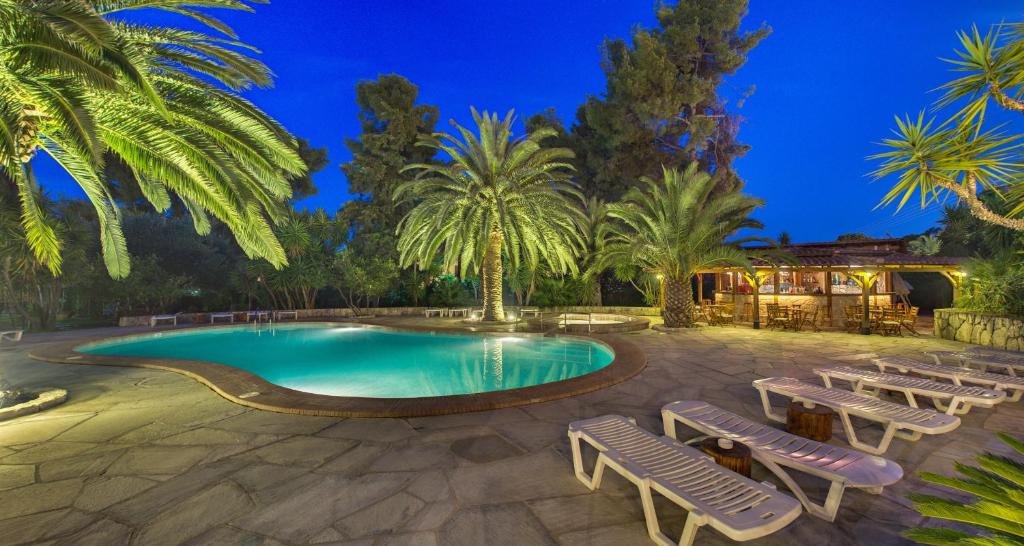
(996,512)
(994,286)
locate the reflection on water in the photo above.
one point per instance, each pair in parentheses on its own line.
(492,360)
(356,361)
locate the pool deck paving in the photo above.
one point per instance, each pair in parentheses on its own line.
(138,456)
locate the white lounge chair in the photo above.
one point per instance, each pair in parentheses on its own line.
(434,311)
(1010,364)
(1013,386)
(214,316)
(155,319)
(738,507)
(952,399)
(461,311)
(899,421)
(281,315)
(257,315)
(532,311)
(13,336)
(776,449)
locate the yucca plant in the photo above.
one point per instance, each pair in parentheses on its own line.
(673,228)
(499,199)
(79,83)
(996,512)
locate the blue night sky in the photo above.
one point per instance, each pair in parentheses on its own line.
(829,80)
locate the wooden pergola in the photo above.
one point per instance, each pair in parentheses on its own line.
(865,263)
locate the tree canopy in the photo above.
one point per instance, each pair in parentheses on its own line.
(79,85)
(662,106)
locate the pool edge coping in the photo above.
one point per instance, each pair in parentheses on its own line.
(239,386)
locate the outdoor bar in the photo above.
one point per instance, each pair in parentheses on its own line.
(830,276)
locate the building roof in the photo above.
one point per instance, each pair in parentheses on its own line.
(872,253)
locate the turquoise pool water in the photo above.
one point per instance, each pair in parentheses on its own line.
(373,362)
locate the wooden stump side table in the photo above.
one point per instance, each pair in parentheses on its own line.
(809,421)
(732,455)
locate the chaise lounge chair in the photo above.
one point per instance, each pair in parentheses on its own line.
(776,449)
(1011,364)
(280,315)
(899,420)
(1013,386)
(738,507)
(228,315)
(952,399)
(153,320)
(13,336)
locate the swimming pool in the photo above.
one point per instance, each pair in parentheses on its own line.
(361,361)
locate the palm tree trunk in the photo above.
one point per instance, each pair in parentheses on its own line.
(491,275)
(678,309)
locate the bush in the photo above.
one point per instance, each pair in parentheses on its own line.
(448,291)
(994,286)
(994,513)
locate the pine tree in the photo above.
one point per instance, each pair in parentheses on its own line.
(661,107)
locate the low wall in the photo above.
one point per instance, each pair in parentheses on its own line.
(970,327)
(303,314)
(327,314)
(608,310)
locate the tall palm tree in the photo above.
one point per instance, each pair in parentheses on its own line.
(79,83)
(959,156)
(673,229)
(500,198)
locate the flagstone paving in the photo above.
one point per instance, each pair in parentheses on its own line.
(148,457)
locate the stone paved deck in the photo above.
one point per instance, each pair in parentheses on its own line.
(148,457)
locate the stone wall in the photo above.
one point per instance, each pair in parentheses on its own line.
(303,314)
(969,327)
(328,314)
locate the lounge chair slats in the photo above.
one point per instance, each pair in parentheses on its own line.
(776,449)
(899,420)
(1013,386)
(953,399)
(738,507)
(1009,363)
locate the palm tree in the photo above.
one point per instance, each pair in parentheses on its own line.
(995,510)
(959,156)
(673,229)
(79,84)
(501,198)
(925,245)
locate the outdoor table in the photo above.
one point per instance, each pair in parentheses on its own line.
(728,453)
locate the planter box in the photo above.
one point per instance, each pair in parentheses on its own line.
(969,327)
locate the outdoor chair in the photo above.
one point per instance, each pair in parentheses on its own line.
(810,318)
(909,320)
(853,318)
(228,315)
(12,336)
(1007,362)
(952,399)
(737,507)
(777,316)
(155,319)
(1013,386)
(890,322)
(778,450)
(899,421)
(281,315)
